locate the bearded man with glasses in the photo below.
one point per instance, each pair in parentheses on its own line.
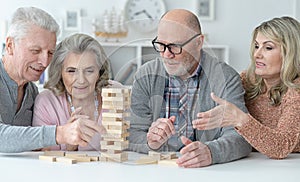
(169,92)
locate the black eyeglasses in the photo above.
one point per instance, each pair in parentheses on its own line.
(173,48)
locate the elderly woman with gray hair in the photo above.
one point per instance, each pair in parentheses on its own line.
(77,73)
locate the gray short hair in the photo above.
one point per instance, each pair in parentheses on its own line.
(25,17)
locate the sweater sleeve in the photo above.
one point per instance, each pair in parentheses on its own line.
(24,138)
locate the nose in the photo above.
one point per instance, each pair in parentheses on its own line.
(45,59)
(258,53)
(80,77)
(167,54)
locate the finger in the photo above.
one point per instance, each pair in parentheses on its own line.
(189,155)
(166,128)
(172,119)
(82,143)
(191,147)
(93,125)
(206,123)
(217,99)
(185,140)
(76,117)
(77,111)
(154,137)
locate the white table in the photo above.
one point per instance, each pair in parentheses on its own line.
(257,167)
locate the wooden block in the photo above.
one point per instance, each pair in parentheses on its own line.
(116,103)
(110,131)
(66,160)
(80,158)
(54,153)
(121,157)
(94,158)
(114,143)
(112,120)
(171,162)
(115,127)
(106,142)
(113,135)
(115,94)
(106,105)
(168,156)
(114,111)
(47,158)
(120,124)
(116,90)
(146,160)
(114,147)
(71,155)
(113,151)
(115,115)
(155,155)
(119,99)
(114,139)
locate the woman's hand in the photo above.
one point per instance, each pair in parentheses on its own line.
(225,114)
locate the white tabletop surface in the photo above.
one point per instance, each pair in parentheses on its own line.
(257,167)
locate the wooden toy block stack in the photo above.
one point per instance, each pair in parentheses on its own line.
(115,114)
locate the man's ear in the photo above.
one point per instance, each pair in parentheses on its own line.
(200,40)
(9,45)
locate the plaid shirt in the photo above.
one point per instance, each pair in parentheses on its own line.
(173,89)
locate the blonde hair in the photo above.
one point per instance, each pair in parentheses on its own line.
(284,31)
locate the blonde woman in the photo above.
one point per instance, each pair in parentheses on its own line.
(272,96)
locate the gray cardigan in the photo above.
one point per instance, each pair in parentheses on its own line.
(147,101)
(16,133)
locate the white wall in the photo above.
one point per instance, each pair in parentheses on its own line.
(233,24)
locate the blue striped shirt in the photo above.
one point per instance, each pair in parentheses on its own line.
(174,88)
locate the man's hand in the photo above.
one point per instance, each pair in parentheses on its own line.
(194,154)
(160,131)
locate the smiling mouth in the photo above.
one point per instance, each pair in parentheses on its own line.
(37,69)
(80,88)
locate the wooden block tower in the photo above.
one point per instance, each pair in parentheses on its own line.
(115,114)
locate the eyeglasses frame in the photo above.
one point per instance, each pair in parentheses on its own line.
(172,44)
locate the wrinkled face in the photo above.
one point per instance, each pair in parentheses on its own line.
(31,54)
(183,64)
(268,57)
(80,73)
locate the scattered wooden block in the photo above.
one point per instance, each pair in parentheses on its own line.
(71,155)
(47,158)
(94,158)
(66,160)
(54,153)
(171,162)
(81,158)
(168,156)
(119,157)
(146,160)
(155,155)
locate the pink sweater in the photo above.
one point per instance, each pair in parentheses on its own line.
(50,109)
(274,130)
